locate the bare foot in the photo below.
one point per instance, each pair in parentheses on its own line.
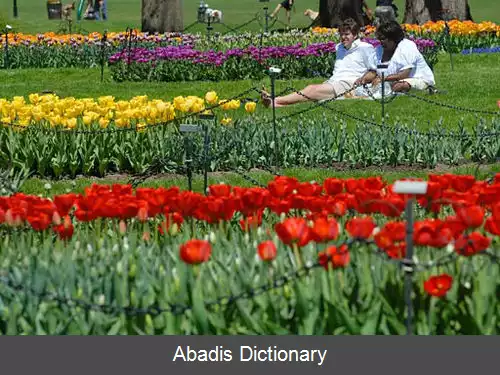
(266,98)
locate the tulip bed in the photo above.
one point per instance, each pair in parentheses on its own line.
(51,111)
(184,63)
(461,34)
(246,142)
(291,258)
(83,51)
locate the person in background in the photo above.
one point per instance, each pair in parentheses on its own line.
(287,5)
(367,13)
(355,64)
(101,10)
(406,66)
(385,11)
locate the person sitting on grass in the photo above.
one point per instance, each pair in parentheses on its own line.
(406,67)
(355,64)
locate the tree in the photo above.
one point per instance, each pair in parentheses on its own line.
(162,16)
(421,11)
(333,12)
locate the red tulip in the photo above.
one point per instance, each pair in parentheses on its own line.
(220,190)
(492,225)
(471,244)
(438,286)
(360,227)
(433,233)
(462,183)
(293,231)
(64,203)
(471,215)
(64,230)
(195,251)
(333,186)
(267,250)
(324,230)
(336,256)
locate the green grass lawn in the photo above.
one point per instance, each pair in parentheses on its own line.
(127,13)
(39,186)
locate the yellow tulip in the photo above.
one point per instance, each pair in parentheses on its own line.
(87,120)
(226,120)
(71,123)
(250,107)
(211,97)
(103,123)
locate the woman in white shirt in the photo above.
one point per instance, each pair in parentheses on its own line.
(406,67)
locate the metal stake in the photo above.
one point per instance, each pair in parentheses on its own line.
(273,72)
(188,161)
(6,61)
(408,284)
(103,46)
(383,98)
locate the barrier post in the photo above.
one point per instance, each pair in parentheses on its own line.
(206,147)
(273,72)
(6,60)
(383,98)
(266,15)
(188,161)
(410,188)
(103,46)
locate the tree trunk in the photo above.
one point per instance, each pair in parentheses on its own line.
(333,12)
(162,16)
(421,11)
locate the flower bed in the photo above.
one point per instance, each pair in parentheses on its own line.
(88,113)
(52,50)
(183,63)
(294,257)
(246,142)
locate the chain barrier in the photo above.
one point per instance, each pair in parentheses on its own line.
(451,106)
(324,103)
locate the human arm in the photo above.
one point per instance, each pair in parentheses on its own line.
(368,77)
(398,76)
(370,61)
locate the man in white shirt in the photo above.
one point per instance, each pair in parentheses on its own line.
(406,67)
(355,64)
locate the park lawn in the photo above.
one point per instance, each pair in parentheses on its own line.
(468,85)
(51,187)
(127,13)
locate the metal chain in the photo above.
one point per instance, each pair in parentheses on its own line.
(383,126)
(451,106)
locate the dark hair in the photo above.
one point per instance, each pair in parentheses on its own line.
(349,25)
(391,30)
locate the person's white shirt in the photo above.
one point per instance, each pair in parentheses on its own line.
(353,63)
(407,56)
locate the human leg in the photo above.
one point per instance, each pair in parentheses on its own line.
(104,9)
(323,91)
(407,84)
(276,10)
